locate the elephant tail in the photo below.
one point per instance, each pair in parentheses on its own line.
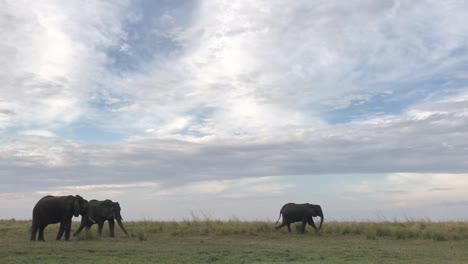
(278,218)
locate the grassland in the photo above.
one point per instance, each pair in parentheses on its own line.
(210,241)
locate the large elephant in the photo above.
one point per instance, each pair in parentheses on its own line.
(57,209)
(99,212)
(300,213)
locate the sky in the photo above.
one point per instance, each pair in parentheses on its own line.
(229,109)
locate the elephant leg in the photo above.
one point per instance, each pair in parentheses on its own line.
(41,233)
(289,227)
(111,226)
(304,223)
(79,230)
(311,223)
(60,232)
(82,225)
(67,229)
(100,226)
(33,232)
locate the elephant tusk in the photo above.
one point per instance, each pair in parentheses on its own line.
(92,220)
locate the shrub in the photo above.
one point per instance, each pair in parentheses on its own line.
(87,235)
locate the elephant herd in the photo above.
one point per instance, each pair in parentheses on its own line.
(61,209)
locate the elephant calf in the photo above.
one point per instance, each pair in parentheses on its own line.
(300,213)
(56,209)
(99,212)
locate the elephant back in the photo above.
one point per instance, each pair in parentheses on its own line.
(52,209)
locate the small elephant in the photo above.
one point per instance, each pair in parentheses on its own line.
(300,213)
(99,212)
(57,209)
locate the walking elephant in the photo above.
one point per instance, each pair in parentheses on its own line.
(57,209)
(99,212)
(300,213)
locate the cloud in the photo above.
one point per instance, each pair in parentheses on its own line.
(441,189)
(258,68)
(456,203)
(416,190)
(100,191)
(242,187)
(55,58)
(207,96)
(40,133)
(393,145)
(251,70)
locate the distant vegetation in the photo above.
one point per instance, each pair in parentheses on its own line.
(234,241)
(439,231)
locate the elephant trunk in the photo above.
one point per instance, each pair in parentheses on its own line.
(119,221)
(321,220)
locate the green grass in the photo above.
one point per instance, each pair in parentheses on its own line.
(211,241)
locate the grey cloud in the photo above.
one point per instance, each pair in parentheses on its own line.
(33,85)
(395,191)
(441,189)
(7,112)
(347,52)
(399,146)
(331,61)
(455,203)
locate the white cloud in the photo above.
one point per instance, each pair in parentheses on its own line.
(101,191)
(242,187)
(256,68)
(413,190)
(53,57)
(239,96)
(40,133)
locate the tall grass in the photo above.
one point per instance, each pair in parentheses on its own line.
(401,230)
(423,229)
(200,227)
(143,230)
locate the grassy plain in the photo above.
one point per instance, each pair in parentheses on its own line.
(211,241)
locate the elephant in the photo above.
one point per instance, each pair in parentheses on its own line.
(57,209)
(300,213)
(99,212)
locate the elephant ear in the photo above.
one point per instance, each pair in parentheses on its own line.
(117,205)
(76,206)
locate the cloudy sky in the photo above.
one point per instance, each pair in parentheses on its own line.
(227,109)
